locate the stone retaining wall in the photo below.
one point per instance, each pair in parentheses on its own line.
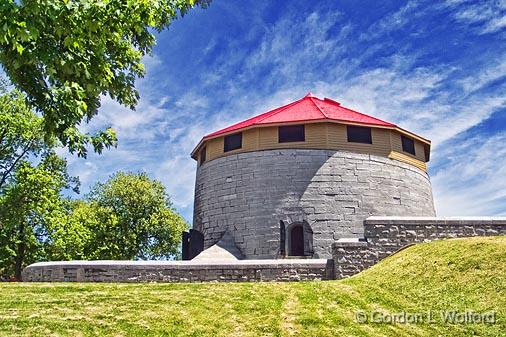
(179,271)
(384,236)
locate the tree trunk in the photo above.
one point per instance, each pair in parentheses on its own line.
(20,254)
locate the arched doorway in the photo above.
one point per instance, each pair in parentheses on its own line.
(297,241)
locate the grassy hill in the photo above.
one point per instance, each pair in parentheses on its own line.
(461,274)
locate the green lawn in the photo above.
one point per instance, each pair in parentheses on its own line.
(444,275)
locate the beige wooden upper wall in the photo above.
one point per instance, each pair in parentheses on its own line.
(322,135)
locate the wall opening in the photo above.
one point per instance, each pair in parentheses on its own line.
(298,239)
(282,239)
(192,244)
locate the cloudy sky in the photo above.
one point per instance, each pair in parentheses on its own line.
(436,68)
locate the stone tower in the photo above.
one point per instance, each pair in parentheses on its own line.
(293,180)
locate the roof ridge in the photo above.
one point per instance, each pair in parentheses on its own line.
(366,115)
(278,110)
(319,108)
(264,116)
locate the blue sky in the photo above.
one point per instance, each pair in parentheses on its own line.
(437,68)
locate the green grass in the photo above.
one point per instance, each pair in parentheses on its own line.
(443,275)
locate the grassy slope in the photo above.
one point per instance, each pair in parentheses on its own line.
(452,274)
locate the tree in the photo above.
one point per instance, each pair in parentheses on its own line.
(31,179)
(30,204)
(66,54)
(21,133)
(71,236)
(131,217)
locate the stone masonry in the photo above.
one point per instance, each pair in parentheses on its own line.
(179,271)
(333,191)
(384,236)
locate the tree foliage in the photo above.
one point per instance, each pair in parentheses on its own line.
(134,218)
(30,205)
(21,133)
(31,178)
(66,54)
(127,217)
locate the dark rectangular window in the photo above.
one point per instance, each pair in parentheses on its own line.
(202,155)
(232,142)
(359,134)
(408,145)
(291,133)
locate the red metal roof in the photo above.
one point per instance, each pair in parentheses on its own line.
(308,108)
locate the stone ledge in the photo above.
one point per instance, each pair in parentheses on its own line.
(400,220)
(387,235)
(349,242)
(183,264)
(180,271)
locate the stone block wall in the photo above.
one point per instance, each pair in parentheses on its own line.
(384,236)
(179,271)
(248,194)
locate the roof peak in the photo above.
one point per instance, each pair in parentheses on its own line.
(325,99)
(307,109)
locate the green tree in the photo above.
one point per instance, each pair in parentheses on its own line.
(132,218)
(66,54)
(21,133)
(31,180)
(30,205)
(129,216)
(70,237)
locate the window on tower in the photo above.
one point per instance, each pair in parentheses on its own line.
(202,155)
(408,145)
(233,142)
(359,134)
(291,133)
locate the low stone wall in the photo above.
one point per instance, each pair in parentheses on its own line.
(384,236)
(179,271)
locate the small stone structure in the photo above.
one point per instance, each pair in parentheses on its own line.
(225,249)
(383,236)
(179,271)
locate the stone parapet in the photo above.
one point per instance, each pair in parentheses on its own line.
(383,236)
(179,271)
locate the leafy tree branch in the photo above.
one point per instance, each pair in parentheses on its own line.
(66,54)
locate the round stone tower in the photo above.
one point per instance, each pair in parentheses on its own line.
(293,180)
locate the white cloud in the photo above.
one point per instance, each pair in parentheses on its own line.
(494,72)
(178,175)
(393,21)
(471,180)
(486,16)
(312,53)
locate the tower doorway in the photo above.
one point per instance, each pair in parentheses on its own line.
(297,241)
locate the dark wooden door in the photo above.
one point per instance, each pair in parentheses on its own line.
(297,241)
